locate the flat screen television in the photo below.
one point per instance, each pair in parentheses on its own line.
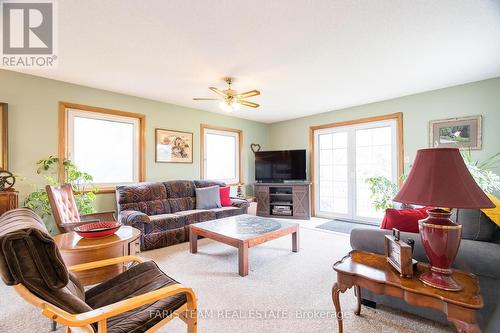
(280,165)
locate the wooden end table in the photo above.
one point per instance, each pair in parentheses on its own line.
(77,250)
(243,232)
(371,271)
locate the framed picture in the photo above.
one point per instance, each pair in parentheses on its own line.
(174,146)
(461,133)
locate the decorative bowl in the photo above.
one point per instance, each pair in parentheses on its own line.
(97,229)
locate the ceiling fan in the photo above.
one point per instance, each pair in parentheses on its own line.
(231,100)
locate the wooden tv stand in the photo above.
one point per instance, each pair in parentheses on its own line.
(294,195)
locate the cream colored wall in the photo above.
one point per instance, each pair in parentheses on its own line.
(478,98)
(33,127)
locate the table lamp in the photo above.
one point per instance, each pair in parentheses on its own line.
(440,179)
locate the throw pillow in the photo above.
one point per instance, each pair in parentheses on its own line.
(208,197)
(225,200)
(403,219)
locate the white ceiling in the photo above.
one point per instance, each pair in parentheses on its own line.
(306,56)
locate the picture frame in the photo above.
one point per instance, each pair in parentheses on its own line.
(173,146)
(462,132)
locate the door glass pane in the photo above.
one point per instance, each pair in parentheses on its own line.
(333,173)
(104,149)
(221,156)
(373,158)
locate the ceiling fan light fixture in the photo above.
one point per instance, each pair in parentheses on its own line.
(229,106)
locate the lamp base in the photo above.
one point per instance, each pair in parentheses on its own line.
(440,239)
(440,281)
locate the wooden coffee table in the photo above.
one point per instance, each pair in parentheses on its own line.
(77,250)
(243,232)
(373,272)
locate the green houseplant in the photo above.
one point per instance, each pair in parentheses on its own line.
(383,190)
(84,190)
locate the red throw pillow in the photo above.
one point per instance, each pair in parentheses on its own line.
(225,200)
(403,219)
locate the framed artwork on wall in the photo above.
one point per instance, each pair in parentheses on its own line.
(464,132)
(173,146)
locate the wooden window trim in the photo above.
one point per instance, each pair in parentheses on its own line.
(203,127)
(63,135)
(4,107)
(399,125)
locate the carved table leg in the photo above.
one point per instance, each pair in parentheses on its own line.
(336,302)
(357,293)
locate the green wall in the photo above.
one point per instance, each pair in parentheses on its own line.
(33,127)
(478,98)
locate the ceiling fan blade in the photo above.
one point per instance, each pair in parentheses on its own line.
(250,104)
(249,94)
(217,91)
(205,99)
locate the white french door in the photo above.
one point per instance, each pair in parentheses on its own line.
(344,158)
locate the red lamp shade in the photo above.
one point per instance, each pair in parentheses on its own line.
(440,178)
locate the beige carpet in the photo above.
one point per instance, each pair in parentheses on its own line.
(284,291)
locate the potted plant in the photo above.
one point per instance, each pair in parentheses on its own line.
(84,191)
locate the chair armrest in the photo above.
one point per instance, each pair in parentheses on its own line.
(239,202)
(103,263)
(102,216)
(111,310)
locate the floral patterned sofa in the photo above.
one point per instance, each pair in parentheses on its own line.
(163,211)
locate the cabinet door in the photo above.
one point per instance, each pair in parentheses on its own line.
(301,202)
(262,195)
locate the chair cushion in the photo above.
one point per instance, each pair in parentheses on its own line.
(163,222)
(196,215)
(226,212)
(138,280)
(208,183)
(208,197)
(28,255)
(475,224)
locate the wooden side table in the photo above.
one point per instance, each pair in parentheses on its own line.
(373,272)
(77,250)
(8,200)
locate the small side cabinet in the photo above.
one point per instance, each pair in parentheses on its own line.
(8,200)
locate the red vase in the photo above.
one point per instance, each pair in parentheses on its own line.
(440,239)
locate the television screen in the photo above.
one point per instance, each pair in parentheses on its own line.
(280,165)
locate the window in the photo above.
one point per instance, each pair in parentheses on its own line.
(105,143)
(345,155)
(221,154)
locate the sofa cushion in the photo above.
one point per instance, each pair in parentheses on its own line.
(196,215)
(149,198)
(179,188)
(180,204)
(208,183)
(208,197)
(138,280)
(226,212)
(163,222)
(475,224)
